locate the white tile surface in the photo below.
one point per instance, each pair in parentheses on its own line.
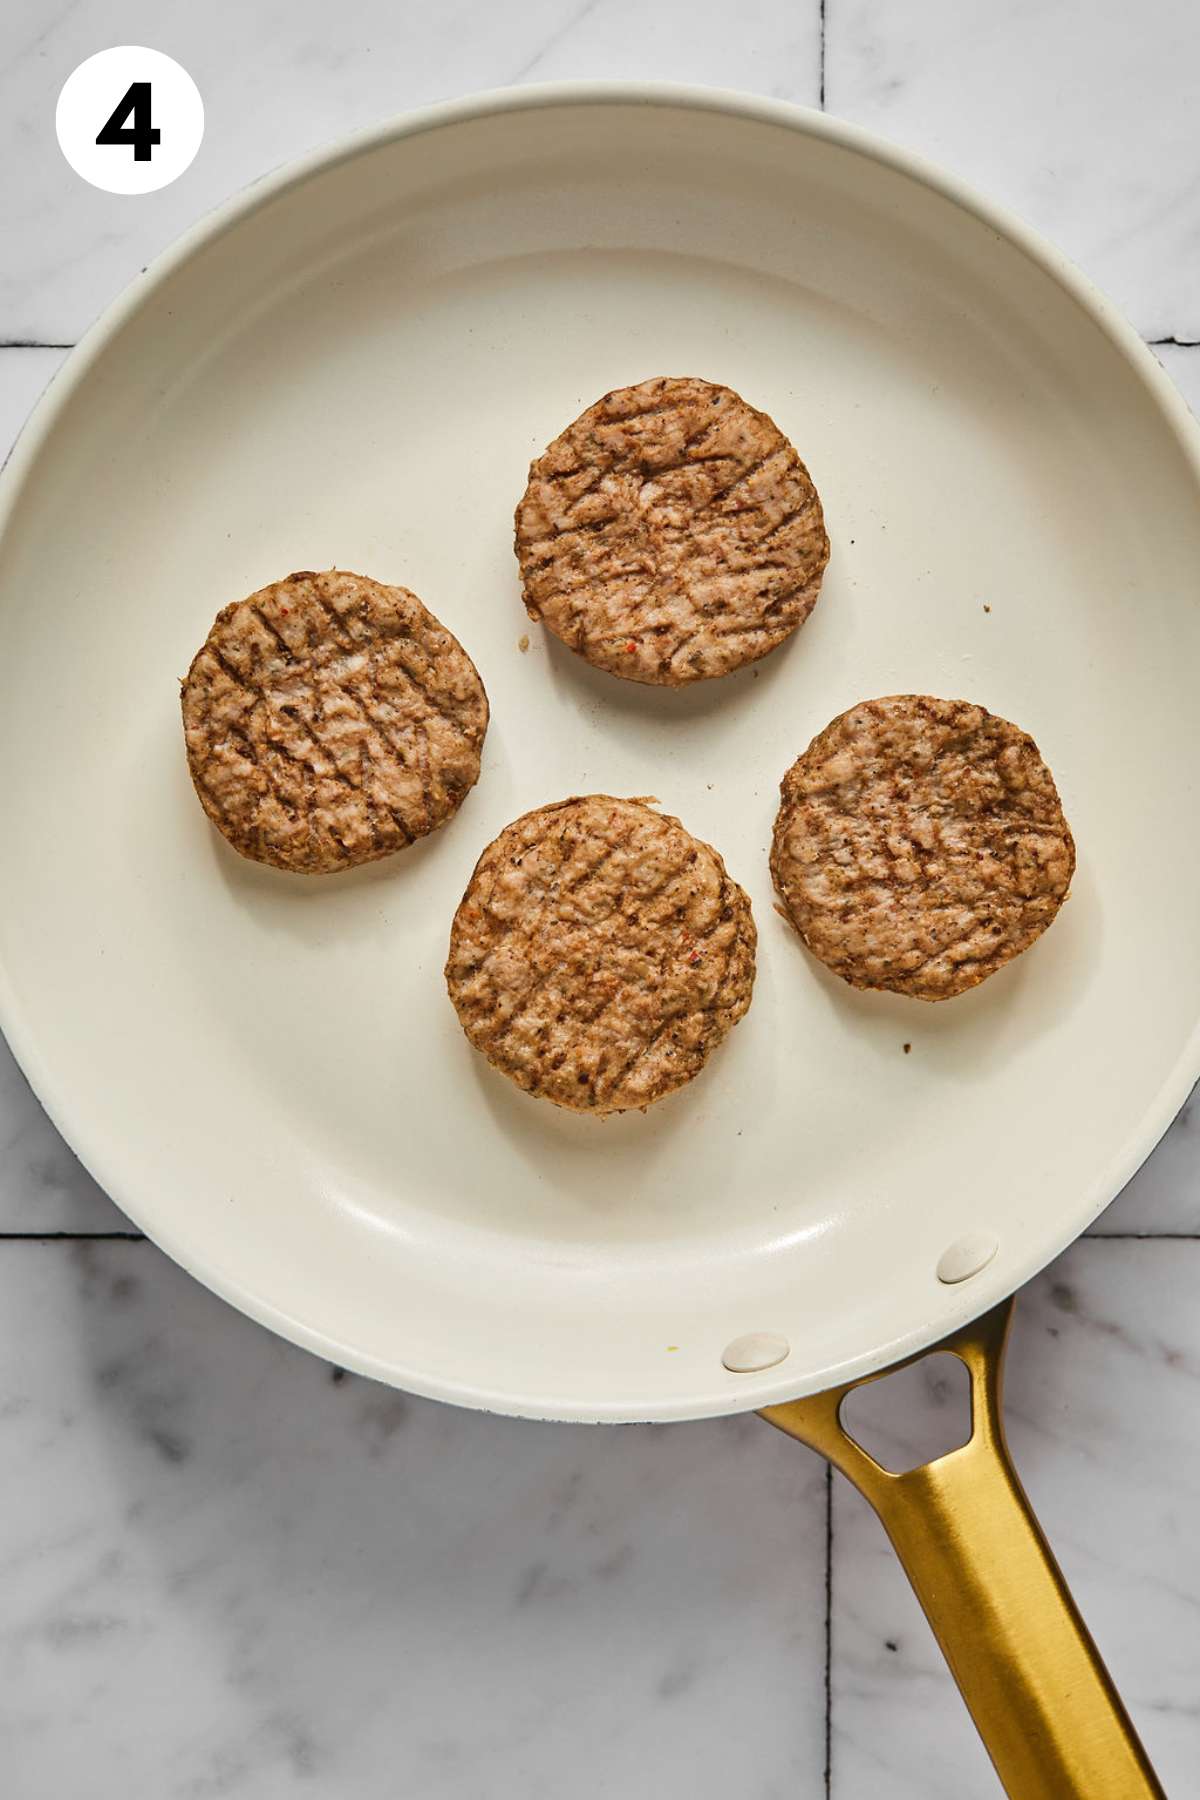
(225,1573)
(1103,1380)
(221,1572)
(43,1185)
(1078,113)
(1183,366)
(24,375)
(1164,1195)
(282,76)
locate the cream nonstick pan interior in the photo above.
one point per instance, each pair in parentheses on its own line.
(353,364)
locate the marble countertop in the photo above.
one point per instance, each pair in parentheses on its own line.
(229,1569)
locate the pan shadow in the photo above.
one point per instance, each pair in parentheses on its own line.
(261,883)
(621,703)
(602,1163)
(960,1039)
(309,906)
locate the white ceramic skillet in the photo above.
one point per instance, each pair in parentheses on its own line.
(353,363)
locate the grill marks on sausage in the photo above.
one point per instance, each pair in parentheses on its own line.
(671,534)
(331,720)
(920,845)
(600,953)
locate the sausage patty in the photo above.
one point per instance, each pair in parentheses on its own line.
(671,533)
(600,954)
(331,720)
(920,845)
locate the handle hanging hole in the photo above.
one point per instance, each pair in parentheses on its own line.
(913,1417)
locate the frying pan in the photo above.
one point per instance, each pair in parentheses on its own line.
(353,364)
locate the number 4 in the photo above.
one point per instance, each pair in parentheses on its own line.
(141,134)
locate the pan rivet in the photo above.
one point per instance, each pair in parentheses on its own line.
(757,1350)
(967,1257)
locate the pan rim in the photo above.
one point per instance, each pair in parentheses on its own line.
(98,1157)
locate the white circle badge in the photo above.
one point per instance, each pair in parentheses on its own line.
(129,120)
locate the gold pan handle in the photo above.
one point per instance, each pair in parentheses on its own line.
(1042,1699)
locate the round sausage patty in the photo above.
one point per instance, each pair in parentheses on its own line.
(920,845)
(671,534)
(600,954)
(331,720)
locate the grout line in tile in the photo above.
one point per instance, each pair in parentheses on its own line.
(1139,1237)
(72,1237)
(1170,342)
(1087,1237)
(828,1630)
(821,59)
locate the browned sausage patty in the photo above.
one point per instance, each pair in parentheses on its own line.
(920,845)
(671,533)
(331,720)
(600,954)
